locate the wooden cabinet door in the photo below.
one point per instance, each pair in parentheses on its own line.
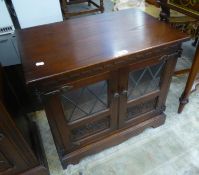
(6,166)
(84,112)
(10,160)
(15,154)
(143,90)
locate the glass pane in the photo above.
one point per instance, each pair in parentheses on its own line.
(85,101)
(144,81)
(141,108)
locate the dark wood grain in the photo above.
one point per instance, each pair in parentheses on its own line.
(79,43)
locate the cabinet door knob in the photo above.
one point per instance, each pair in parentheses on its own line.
(116,95)
(1,136)
(124,92)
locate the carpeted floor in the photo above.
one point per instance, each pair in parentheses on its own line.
(187,56)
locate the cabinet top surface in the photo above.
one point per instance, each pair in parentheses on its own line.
(50,50)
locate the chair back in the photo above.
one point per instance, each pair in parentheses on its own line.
(190,5)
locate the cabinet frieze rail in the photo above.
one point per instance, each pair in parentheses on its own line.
(59,86)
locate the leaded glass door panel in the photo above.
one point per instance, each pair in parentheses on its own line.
(140,91)
(85,101)
(87,110)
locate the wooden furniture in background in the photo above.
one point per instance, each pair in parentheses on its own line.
(20,149)
(187,7)
(98,85)
(66,3)
(190,8)
(153,2)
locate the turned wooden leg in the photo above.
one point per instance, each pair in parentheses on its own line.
(184,99)
(165,11)
(102,6)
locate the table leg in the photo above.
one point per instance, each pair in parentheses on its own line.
(165,11)
(184,99)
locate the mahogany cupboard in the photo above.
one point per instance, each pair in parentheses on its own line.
(101,78)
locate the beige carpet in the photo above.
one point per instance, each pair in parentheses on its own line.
(172,149)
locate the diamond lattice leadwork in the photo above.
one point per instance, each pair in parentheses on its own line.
(85,101)
(144,81)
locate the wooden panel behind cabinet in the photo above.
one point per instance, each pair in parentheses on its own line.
(5,164)
(15,154)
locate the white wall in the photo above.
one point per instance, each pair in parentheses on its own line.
(8,51)
(4,16)
(37,12)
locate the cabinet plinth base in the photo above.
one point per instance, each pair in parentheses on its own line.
(116,138)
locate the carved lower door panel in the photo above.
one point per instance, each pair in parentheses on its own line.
(140,92)
(84,113)
(10,161)
(5,164)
